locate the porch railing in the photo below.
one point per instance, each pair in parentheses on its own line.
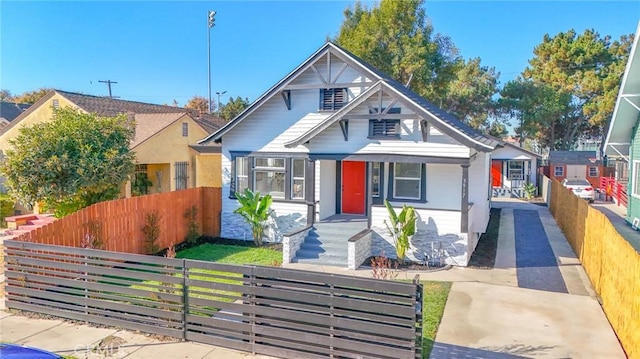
(614,189)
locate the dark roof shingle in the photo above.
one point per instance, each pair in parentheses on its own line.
(11,110)
(573,157)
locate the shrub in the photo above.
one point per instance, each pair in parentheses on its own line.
(255,209)
(193,230)
(151,231)
(403,225)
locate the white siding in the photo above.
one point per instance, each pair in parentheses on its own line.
(332,141)
(479,193)
(326,192)
(510,153)
(444,186)
(349,75)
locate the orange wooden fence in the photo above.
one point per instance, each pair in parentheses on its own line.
(121,221)
(612,264)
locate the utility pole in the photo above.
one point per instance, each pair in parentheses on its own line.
(211,23)
(109,82)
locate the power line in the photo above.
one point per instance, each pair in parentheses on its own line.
(109,82)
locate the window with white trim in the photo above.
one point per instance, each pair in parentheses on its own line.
(268,176)
(407,181)
(636,179)
(593,171)
(558,171)
(516,170)
(297,178)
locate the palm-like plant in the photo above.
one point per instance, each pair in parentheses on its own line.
(403,225)
(255,209)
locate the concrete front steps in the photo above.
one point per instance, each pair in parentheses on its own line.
(18,225)
(326,242)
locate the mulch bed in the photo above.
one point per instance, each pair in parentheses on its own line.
(407,265)
(485,254)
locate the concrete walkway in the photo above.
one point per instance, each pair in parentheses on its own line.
(487,315)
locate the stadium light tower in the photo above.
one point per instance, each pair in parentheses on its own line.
(211,24)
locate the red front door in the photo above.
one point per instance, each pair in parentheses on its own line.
(496,173)
(353,187)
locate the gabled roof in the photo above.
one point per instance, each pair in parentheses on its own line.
(442,120)
(518,148)
(625,113)
(573,157)
(11,110)
(104,106)
(149,124)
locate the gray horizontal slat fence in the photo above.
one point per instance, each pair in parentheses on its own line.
(267,310)
(131,291)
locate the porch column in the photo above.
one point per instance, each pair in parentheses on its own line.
(310,190)
(464,201)
(369,189)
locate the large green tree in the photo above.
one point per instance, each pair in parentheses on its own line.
(586,66)
(70,162)
(232,108)
(397,38)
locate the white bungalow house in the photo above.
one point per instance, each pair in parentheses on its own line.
(336,137)
(511,168)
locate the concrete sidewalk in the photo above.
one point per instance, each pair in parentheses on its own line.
(487,314)
(83,341)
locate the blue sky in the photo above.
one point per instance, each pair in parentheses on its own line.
(157,50)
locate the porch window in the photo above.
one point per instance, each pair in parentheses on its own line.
(297,180)
(377,173)
(332,99)
(636,178)
(269,175)
(593,171)
(516,170)
(407,182)
(558,171)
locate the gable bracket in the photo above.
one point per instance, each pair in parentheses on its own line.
(340,71)
(344,126)
(286,96)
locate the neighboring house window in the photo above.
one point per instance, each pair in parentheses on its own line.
(297,178)
(516,170)
(386,127)
(181,175)
(558,171)
(377,173)
(268,176)
(185,129)
(332,99)
(407,182)
(636,178)
(141,182)
(593,171)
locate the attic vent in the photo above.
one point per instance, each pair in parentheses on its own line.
(55,103)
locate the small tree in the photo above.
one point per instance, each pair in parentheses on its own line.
(403,225)
(255,209)
(6,208)
(193,231)
(70,162)
(151,230)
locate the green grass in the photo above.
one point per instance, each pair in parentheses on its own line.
(433,302)
(223,253)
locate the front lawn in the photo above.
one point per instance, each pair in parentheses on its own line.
(231,254)
(433,302)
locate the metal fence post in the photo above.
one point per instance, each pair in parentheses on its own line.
(252,304)
(185,299)
(417,345)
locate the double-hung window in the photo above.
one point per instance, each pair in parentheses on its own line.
(408,181)
(516,170)
(332,99)
(297,178)
(269,176)
(558,171)
(242,174)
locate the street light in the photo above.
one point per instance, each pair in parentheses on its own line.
(220,94)
(211,16)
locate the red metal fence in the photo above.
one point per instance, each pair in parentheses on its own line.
(120,222)
(614,189)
